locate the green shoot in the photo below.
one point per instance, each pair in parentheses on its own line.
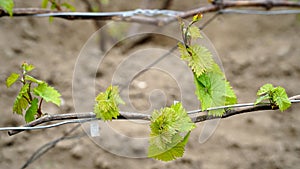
(167,127)
(212,89)
(276,96)
(31,94)
(107,102)
(198,57)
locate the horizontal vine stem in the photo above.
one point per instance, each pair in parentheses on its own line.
(196,118)
(148,16)
(69,116)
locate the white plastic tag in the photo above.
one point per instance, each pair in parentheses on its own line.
(94,128)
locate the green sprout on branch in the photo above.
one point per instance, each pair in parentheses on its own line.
(107,102)
(212,89)
(276,96)
(31,94)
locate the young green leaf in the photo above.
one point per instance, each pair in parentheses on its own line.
(7,5)
(275,95)
(182,49)
(281,99)
(32,110)
(34,80)
(12,79)
(107,102)
(260,99)
(167,125)
(265,93)
(198,57)
(213,90)
(265,89)
(194,32)
(27,67)
(169,121)
(174,150)
(48,93)
(229,94)
(21,101)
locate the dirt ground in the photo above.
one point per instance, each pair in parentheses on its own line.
(254,50)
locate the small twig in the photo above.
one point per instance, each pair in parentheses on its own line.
(292,99)
(40,113)
(57,5)
(29,94)
(27,99)
(229,113)
(154,17)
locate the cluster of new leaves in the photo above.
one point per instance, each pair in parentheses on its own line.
(212,89)
(167,127)
(276,96)
(7,5)
(107,102)
(32,89)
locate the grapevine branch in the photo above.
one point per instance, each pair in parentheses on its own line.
(195,115)
(162,17)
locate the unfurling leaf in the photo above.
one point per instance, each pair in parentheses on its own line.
(265,89)
(213,90)
(32,110)
(167,126)
(7,5)
(194,32)
(182,49)
(27,67)
(21,101)
(12,79)
(107,102)
(274,95)
(48,93)
(199,58)
(281,99)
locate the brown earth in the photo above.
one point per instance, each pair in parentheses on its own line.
(254,50)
